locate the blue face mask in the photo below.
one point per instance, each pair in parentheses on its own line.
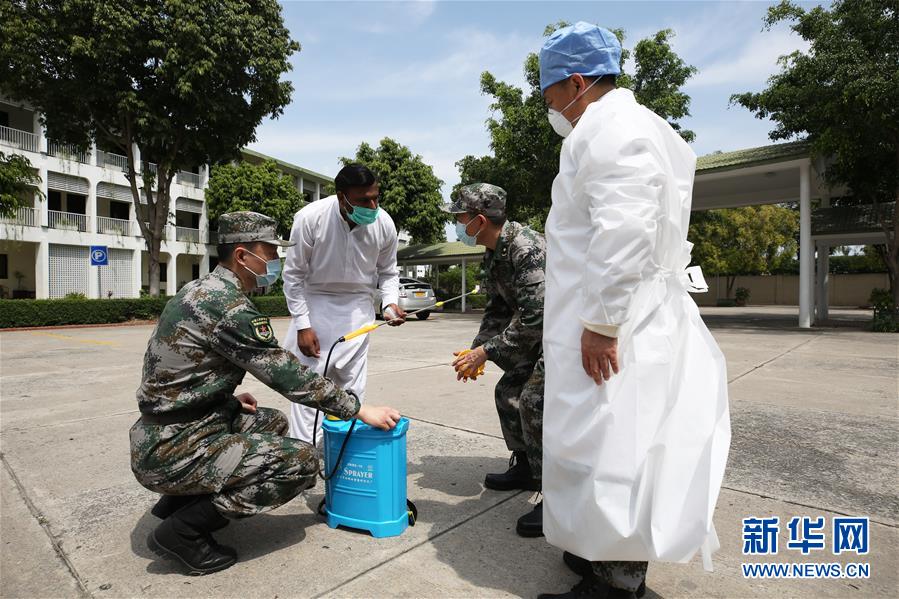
(272,271)
(360,215)
(463,236)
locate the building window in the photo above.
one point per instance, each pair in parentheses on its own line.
(119,210)
(54,200)
(4,266)
(4,118)
(163,272)
(76,203)
(195,271)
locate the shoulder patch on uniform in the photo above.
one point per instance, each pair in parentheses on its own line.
(262,329)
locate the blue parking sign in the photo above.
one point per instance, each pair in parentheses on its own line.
(99,255)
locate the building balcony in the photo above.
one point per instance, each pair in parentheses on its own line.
(189,179)
(166,232)
(187,234)
(67,152)
(21,140)
(70,221)
(113,226)
(24,216)
(113,161)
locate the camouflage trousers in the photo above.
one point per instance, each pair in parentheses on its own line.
(519,403)
(244,461)
(621,575)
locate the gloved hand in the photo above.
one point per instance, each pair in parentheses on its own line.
(469,364)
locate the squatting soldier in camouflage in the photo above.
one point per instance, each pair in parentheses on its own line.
(511,334)
(213,455)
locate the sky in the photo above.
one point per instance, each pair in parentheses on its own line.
(411,70)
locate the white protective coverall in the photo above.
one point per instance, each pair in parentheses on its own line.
(331,277)
(632,468)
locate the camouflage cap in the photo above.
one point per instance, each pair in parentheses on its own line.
(240,227)
(480,198)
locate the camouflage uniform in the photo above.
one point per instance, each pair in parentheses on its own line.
(192,438)
(512,327)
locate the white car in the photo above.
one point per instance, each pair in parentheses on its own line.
(414,295)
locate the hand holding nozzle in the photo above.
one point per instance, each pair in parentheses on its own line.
(402,317)
(469,363)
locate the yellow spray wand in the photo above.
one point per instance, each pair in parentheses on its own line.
(371,327)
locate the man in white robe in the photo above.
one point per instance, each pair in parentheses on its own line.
(344,256)
(636,423)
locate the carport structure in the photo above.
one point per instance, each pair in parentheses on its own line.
(773,174)
(438,254)
(782,173)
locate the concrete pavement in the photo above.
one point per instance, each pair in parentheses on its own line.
(815,433)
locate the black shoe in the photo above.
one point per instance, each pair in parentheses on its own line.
(531,524)
(518,476)
(583,567)
(185,536)
(590,587)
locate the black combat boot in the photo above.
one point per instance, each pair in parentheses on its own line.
(518,476)
(583,567)
(531,524)
(186,536)
(169,504)
(590,587)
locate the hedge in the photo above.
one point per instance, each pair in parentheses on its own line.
(44,313)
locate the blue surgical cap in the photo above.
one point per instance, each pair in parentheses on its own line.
(581,48)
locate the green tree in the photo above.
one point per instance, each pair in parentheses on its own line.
(525,157)
(751,240)
(261,188)
(410,191)
(186,83)
(17,179)
(843,95)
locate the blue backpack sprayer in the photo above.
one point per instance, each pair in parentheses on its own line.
(365,484)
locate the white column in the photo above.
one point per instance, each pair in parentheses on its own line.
(42,270)
(91,207)
(204,176)
(93,151)
(464,288)
(136,266)
(42,201)
(806,250)
(136,151)
(171,286)
(300,187)
(318,191)
(41,133)
(204,265)
(823,282)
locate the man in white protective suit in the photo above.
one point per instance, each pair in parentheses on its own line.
(344,255)
(636,424)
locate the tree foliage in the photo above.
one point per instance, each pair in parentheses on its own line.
(17,179)
(525,157)
(410,191)
(843,95)
(185,82)
(260,188)
(751,240)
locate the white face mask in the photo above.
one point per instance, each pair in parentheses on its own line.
(557,120)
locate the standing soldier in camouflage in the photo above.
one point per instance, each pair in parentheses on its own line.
(212,455)
(511,334)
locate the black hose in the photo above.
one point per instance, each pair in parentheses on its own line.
(318,411)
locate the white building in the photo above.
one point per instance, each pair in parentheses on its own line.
(44,248)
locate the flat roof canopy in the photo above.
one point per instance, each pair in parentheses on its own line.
(453,252)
